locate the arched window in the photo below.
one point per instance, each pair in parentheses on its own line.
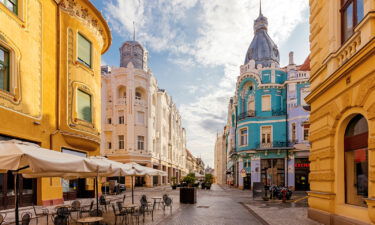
(121,92)
(138,95)
(356,161)
(251,105)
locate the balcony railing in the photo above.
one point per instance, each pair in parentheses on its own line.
(244,115)
(275,144)
(121,101)
(140,102)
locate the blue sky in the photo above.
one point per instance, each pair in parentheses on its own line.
(196,47)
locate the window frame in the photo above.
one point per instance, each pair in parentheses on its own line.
(268,139)
(141,142)
(78,58)
(270,103)
(306,127)
(121,142)
(121,120)
(91,106)
(8,74)
(14,3)
(245,135)
(344,6)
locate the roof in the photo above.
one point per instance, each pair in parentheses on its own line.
(306,65)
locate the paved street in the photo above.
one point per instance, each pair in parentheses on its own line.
(218,206)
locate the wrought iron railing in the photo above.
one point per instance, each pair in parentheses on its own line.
(278,112)
(244,115)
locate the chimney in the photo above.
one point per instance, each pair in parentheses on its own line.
(291,58)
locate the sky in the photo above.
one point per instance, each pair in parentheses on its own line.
(196,48)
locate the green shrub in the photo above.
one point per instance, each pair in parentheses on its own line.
(190,179)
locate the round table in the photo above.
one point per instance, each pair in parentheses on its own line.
(90,220)
(157,200)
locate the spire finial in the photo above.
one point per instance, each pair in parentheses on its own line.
(260,7)
(133,31)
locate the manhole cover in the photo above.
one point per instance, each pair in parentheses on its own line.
(203,206)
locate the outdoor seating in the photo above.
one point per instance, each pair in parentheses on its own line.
(83,210)
(2,218)
(104,202)
(146,207)
(167,202)
(44,212)
(96,213)
(26,218)
(117,214)
(76,207)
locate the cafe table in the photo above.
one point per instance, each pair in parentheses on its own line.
(157,200)
(89,220)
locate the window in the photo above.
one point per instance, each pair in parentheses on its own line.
(109,144)
(266,138)
(11,5)
(138,95)
(293,132)
(140,117)
(121,120)
(4,69)
(356,161)
(84,109)
(84,50)
(306,128)
(266,103)
(140,142)
(251,105)
(121,141)
(243,136)
(109,121)
(352,12)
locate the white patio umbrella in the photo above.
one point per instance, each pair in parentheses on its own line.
(33,161)
(137,170)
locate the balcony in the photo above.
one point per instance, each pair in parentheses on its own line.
(275,144)
(244,115)
(121,101)
(140,102)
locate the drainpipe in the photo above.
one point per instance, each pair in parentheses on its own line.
(287,138)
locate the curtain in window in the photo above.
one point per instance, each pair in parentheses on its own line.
(84,50)
(84,106)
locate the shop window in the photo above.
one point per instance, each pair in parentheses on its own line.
(140,142)
(12,5)
(352,12)
(266,103)
(243,137)
(121,141)
(4,69)
(84,50)
(84,108)
(356,161)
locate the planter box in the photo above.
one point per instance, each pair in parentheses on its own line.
(188,195)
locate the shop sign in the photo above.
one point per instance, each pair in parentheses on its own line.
(243,173)
(302,165)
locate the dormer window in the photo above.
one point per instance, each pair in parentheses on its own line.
(352,12)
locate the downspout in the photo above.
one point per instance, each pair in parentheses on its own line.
(287,138)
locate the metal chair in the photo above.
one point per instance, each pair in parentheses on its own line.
(103,201)
(2,217)
(146,207)
(44,212)
(95,213)
(83,210)
(119,214)
(76,207)
(26,218)
(167,202)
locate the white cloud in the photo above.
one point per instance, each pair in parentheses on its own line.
(208,33)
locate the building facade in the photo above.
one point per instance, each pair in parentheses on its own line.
(140,121)
(266,116)
(220,160)
(50,53)
(342,103)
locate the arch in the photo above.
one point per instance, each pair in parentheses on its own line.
(121,91)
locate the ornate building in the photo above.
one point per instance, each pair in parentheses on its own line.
(140,121)
(342,112)
(50,53)
(267,106)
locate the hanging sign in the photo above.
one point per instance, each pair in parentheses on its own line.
(243,173)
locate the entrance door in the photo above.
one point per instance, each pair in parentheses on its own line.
(247,181)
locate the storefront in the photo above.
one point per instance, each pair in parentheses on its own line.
(302,169)
(273,171)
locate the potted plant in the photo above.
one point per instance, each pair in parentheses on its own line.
(208,179)
(174,183)
(188,195)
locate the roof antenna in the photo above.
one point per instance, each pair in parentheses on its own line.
(133,31)
(260,7)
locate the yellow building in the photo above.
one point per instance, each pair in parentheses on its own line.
(342,119)
(50,52)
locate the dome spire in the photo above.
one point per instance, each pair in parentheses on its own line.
(260,8)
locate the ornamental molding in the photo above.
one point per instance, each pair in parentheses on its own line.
(83,14)
(322,154)
(320,134)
